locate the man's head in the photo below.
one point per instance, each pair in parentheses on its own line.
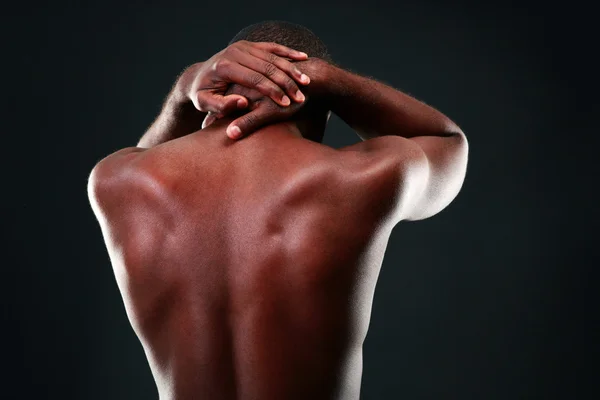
(288,34)
(312,118)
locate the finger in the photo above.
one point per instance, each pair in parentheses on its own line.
(284,65)
(281,50)
(236,73)
(249,123)
(259,62)
(211,102)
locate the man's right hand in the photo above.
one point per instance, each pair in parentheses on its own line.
(261,66)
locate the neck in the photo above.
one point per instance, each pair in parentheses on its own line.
(282,128)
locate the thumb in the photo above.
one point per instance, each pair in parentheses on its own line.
(248,123)
(218,104)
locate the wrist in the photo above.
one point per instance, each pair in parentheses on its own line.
(180,93)
(319,71)
(178,106)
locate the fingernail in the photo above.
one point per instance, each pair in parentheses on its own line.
(300,96)
(234,132)
(304,78)
(303,54)
(240,103)
(285,100)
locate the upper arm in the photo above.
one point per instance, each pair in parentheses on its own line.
(425,172)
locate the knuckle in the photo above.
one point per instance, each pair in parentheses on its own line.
(250,120)
(272,58)
(236,45)
(271,107)
(235,49)
(273,89)
(290,85)
(256,79)
(218,107)
(226,53)
(270,69)
(221,65)
(265,45)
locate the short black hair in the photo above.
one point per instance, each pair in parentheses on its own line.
(292,35)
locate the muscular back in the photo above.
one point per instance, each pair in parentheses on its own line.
(247,268)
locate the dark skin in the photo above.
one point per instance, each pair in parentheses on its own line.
(248,266)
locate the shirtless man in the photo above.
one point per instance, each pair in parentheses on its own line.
(248,266)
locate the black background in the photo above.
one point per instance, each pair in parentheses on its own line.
(491,299)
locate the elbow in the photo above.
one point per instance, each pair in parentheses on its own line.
(461,159)
(462,151)
(458,157)
(460,136)
(451,129)
(459,147)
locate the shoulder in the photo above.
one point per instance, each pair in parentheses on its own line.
(110,171)
(131,205)
(124,175)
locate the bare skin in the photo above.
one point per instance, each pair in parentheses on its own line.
(248,267)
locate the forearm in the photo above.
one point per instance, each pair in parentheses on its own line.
(177,118)
(374,109)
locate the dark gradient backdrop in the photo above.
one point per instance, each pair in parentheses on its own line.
(491,299)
